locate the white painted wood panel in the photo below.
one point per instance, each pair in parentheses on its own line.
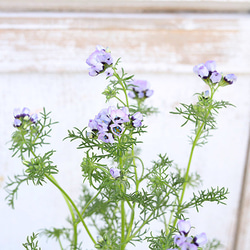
(56,42)
(42,63)
(128,6)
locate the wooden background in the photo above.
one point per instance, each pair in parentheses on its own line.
(43,48)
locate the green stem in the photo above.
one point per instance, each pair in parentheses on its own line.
(197,137)
(123,215)
(90,201)
(73,205)
(123,87)
(72,216)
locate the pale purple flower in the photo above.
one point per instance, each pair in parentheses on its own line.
(17,112)
(118,115)
(179,240)
(132,95)
(137,119)
(184,227)
(106,137)
(99,60)
(34,118)
(140,89)
(17,123)
(188,246)
(215,77)
(25,112)
(201,70)
(109,71)
(23,116)
(200,239)
(210,65)
(230,78)
(93,125)
(115,172)
(116,129)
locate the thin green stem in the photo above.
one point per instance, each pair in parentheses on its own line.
(123,215)
(73,205)
(90,201)
(199,132)
(122,102)
(123,87)
(72,216)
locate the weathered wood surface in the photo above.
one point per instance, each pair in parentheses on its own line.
(57,42)
(42,63)
(129,6)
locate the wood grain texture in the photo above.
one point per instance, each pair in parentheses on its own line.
(130,6)
(58,42)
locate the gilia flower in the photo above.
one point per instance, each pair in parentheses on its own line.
(210,65)
(188,246)
(140,89)
(179,240)
(201,70)
(23,116)
(106,137)
(215,77)
(116,129)
(99,60)
(115,172)
(17,123)
(184,227)
(230,78)
(137,119)
(200,239)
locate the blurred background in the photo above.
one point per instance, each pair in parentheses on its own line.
(43,49)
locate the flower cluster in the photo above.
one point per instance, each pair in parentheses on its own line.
(99,61)
(207,71)
(22,116)
(188,243)
(140,89)
(111,122)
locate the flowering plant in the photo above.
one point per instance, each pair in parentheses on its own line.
(119,191)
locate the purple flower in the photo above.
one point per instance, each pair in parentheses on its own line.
(188,246)
(210,65)
(184,227)
(201,70)
(119,115)
(116,129)
(23,116)
(200,239)
(230,78)
(115,172)
(137,119)
(93,125)
(34,118)
(106,137)
(109,71)
(99,60)
(25,112)
(215,77)
(17,112)
(179,240)
(17,123)
(140,89)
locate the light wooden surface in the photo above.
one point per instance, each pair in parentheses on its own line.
(129,6)
(42,63)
